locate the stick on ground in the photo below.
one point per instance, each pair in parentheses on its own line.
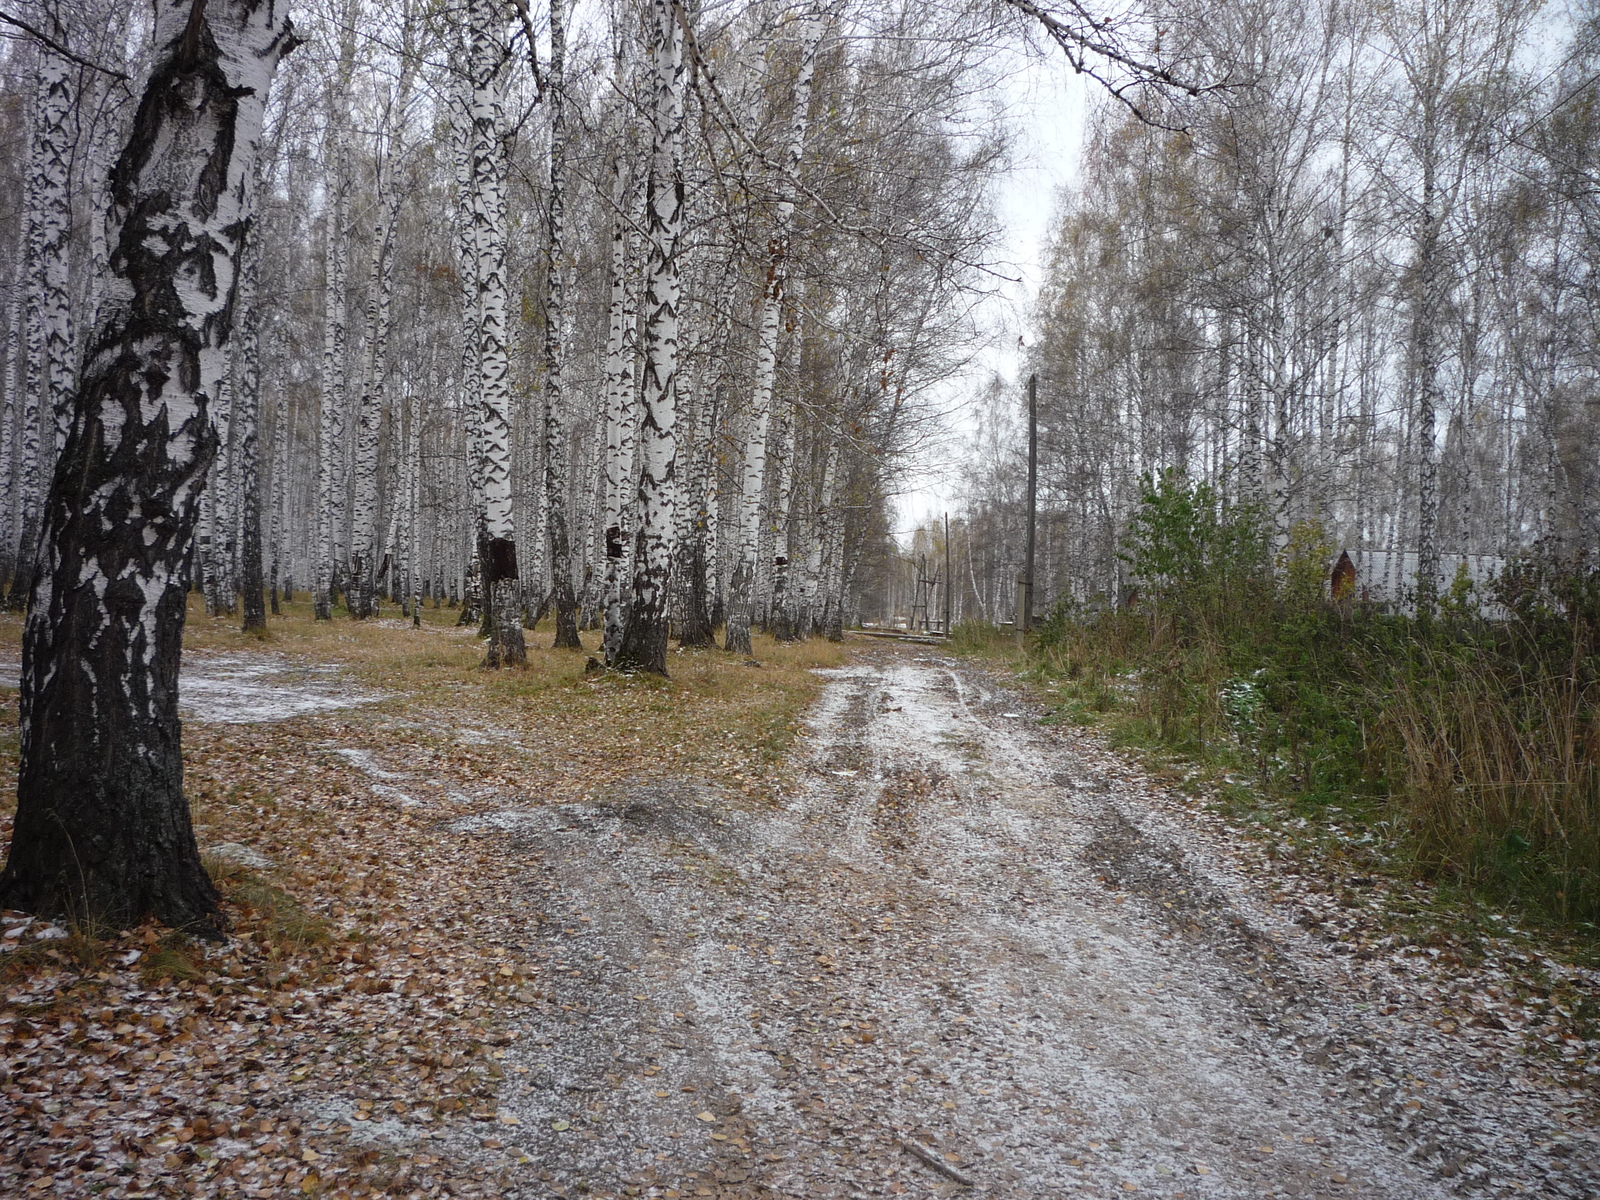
(917,1150)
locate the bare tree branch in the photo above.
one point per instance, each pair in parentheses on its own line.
(50,42)
(1089,37)
(533,48)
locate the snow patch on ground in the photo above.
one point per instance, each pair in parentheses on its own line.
(403,799)
(246,689)
(364,1130)
(506,821)
(365,763)
(242,855)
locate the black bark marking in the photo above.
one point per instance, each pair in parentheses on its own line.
(103,829)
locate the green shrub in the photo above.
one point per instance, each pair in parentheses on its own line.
(1477,739)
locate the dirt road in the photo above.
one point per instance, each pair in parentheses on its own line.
(973,937)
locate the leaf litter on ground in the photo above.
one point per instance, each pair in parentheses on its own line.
(348,1037)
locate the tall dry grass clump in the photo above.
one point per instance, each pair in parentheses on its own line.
(1489,738)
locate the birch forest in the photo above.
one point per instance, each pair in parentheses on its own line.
(1352,291)
(622,315)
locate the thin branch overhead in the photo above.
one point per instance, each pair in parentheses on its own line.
(51,43)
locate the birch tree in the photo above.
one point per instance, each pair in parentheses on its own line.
(1443,49)
(336,258)
(389,149)
(621,418)
(277,531)
(498,557)
(643,645)
(10,404)
(247,399)
(102,827)
(52,214)
(556,434)
(753,475)
(48,384)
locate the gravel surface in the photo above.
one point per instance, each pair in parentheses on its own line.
(972,955)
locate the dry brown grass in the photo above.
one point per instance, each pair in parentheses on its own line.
(715,715)
(1498,782)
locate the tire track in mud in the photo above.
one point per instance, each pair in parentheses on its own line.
(959,932)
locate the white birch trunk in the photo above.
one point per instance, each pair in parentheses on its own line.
(46,408)
(556,449)
(102,827)
(247,418)
(699,536)
(10,396)
(101,150)
(779,619)
(388,148)
(621,418)
(380,301)
(280,494)
(28,382)
(52,166)
(1427,312)
(594,455)
(218,505)
(811,582)
(472,531)
(644,639)
(336,254)
(767,320)
(498,561)
(413,490)
(835,574)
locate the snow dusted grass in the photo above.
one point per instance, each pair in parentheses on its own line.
(349,1039)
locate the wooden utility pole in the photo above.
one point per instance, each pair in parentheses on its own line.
(1026,620)
(948,577)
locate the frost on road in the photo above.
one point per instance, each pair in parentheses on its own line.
(970,951)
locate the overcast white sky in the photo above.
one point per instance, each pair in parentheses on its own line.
(1049,108)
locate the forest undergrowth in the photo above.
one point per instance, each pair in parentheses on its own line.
(1461,749)
(363,980)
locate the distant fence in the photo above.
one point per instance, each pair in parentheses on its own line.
(1389,577)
